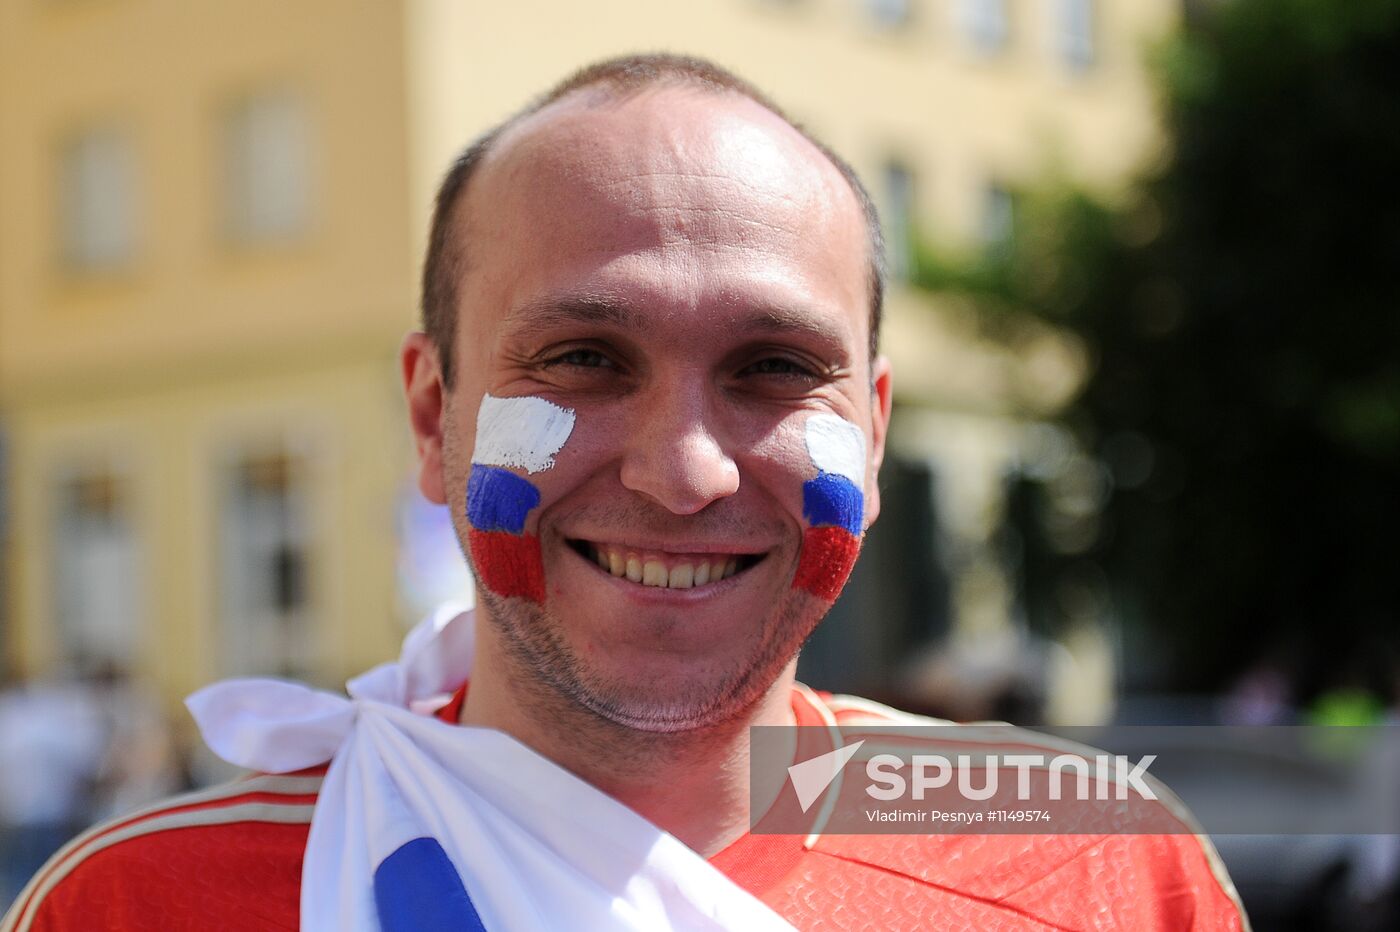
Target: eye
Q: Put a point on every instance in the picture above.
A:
(780, 366)
(582, 358)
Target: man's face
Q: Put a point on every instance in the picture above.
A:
(687, 276)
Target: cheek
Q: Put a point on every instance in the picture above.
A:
(833, 501)
(507, 559)
(498, 500)
(522, 433)
(509, 565)
(833, 506)
(828, 555)
(832, 509)
(503, 509)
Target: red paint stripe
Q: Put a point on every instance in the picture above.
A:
(509, 564)
(828, 555)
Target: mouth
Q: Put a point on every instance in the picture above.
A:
(663, 569)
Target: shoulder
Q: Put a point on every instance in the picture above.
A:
(225, 857)
(1142, 880)
(854, 711)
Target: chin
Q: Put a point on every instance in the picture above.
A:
(694, 694)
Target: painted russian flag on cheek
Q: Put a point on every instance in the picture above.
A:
(833, 505)
(511, 434)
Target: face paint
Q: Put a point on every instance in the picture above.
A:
(520, 433)
(514, 433)
(833, 505)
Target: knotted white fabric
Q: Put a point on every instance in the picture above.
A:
(534, 846)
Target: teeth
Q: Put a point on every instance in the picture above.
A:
(656, 573)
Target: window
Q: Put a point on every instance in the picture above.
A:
(97, 201)
(998, 217)
(267, 170)
(1074, 32)
(95, 571)
(984, 23)
(265, 605)
(889, 14)
(898, 183)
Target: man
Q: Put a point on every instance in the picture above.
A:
(649, 393)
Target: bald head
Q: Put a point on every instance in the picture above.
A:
(637, 128)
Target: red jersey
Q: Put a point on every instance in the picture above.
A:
(230, 858)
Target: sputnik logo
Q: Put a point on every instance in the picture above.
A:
(811, 777)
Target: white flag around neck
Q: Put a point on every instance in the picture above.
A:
(425, 825)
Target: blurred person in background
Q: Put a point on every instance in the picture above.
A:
(139, 761)
(52, 743)
(73, 750)
(649, 392)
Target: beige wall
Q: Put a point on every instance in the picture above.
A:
(164, 69)
(173, 451)
(204, 347)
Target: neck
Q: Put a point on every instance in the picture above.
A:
(693, 784)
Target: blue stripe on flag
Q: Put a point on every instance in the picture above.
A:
(833, 501)
(416, 889)
(498, 500)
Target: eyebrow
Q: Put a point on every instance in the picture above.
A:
(549, 314)
(786, 320)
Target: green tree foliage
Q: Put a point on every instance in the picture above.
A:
(1242, 315)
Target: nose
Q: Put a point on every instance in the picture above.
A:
(673, 454)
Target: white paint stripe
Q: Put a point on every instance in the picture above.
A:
(69, 856)
(520, 433)
(837, 446)
(246, 812)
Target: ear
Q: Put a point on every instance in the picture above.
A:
(423, 389)
(881, 403)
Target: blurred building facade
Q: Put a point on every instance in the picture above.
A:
(211, 217)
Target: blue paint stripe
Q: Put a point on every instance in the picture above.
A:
(416, 889)
(499, 500)
(833, 501)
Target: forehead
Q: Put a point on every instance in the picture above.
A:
(682, 196)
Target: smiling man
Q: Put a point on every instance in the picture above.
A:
(648, 391)
(685, 273)
(695, 283)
